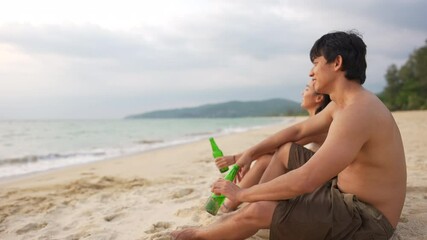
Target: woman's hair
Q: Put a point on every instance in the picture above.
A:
(325, 102)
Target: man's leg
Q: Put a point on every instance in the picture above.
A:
(249, 219)
(238, 225)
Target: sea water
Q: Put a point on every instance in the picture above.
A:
(39, 145)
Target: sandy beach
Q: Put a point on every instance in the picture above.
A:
(148, 195)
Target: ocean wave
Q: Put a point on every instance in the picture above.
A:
(196, 134)
(155, 141)
(47, 157)
(109, 143)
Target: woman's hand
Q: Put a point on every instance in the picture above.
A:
(225, 161)
(244, 162)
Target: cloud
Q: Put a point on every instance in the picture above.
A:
(192, 52)
(92, 54)
(408, 15)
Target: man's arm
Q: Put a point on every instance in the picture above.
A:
(347, 134)
(317, 139)
(311, 127)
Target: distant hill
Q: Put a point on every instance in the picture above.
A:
(233, 109)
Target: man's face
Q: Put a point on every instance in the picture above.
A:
(321, 74)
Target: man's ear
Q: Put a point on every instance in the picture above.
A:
(338, 63)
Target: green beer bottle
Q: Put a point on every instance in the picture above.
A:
(216, 152)
(216, 201)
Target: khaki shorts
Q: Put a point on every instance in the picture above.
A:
(326, 213)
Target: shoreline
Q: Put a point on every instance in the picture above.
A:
(131, 156)
(147, 195)
(157, 146)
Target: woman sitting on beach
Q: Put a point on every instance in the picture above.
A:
(312, 102)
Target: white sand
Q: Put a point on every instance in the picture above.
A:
(148, 195)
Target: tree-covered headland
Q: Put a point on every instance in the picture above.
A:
(406, 87)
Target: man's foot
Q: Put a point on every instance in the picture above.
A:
(185, 234)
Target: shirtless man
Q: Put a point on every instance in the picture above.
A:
(353, 187)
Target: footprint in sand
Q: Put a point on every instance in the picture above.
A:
(187, 212)
(166, 235)
(31, 227)
(113, 216)
(159, 227)
(155, 201)
(197, 214)
(86, 173)
(162, 236)
(204, 160)
(77, 236)
(182, 193)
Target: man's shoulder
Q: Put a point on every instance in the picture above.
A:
(361, 113)
(366, 104)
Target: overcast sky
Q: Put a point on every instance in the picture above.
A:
(108, 59)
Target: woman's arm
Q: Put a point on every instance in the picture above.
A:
(302, 131)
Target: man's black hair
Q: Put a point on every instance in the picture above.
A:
(350, 46)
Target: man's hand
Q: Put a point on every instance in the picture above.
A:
(226, 188)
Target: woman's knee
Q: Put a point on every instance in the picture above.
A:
(283, 152)
(285, 148)
(262, 162)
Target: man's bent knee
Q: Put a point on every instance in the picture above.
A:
(258, 214)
